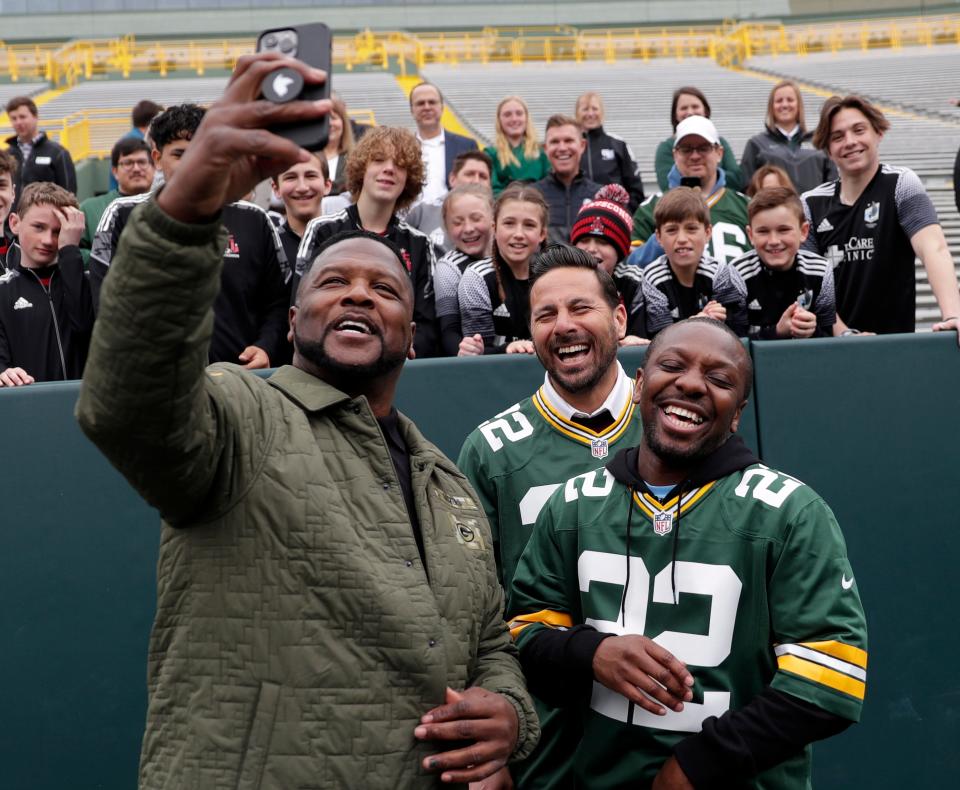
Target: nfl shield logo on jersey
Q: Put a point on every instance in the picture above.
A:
(599, 448)
(662, 523)
(872, 213)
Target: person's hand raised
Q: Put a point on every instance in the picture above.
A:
(232, 150)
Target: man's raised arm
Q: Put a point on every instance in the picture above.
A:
(145, 399)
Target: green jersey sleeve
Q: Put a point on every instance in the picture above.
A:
(819, 628)
(471, 463)
(542, 594)
(643, 226)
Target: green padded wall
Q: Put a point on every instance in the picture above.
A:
(871, 424)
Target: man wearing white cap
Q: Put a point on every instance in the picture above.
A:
(696, 155)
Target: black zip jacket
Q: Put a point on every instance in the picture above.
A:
(48, 161)
(609, 160)
(419, 256)
(565, 203)
(730, 748)
(251, 307)
(45, 329)
(7, 241)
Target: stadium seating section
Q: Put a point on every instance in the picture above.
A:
(910, 83)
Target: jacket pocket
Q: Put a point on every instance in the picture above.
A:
(258, 737)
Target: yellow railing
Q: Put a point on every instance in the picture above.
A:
(93, 132)
(728, 43)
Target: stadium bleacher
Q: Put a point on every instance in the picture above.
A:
(11, 89)
(917, 79)
(378, 91)
(637, 96)
(925, 134)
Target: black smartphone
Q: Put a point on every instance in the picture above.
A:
(311, 44)
(691, 181)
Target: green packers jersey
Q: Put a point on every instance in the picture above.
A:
(762, 594)
(515, 461)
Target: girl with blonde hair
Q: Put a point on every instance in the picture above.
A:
(516, 152)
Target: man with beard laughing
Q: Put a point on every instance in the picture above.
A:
(696, 607)
(517, 459)
(328, 613)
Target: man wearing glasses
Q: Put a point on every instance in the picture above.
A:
(696, 155)
(133, 169)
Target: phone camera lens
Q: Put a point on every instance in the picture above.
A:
(269, 42)
(287, 45)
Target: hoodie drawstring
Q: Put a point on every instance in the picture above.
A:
(676, 541)
(626, 583)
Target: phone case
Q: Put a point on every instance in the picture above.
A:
(314, 47)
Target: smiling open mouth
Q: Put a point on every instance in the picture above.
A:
(573, 351)
(683, 418)
(353, 326)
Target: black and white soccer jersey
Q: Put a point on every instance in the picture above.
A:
(495, 307)
(253, 300)
(868, 244)
(769, 292)
(666, 300)
(446, 283)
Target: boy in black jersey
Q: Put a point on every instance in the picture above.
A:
(871, 224)
(385, 173)
(301, 188)
(8, 177)
(684, 281)
(788, 291)
(46, 315)
(250, 312)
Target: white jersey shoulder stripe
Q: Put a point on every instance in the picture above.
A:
(110, 214)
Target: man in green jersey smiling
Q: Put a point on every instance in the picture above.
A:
(695, 606)
(581, 415)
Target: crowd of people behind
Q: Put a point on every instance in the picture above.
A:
(820, 242)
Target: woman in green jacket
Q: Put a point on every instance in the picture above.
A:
(516, 152)
(691, 101)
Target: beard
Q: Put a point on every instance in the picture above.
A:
(314, 351)
(685, 456)
(575, 383)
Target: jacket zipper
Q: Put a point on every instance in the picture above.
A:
(56, 323)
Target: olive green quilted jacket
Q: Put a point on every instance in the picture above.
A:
(298, 637)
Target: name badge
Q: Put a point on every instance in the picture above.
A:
(43, 160)
(608, 154)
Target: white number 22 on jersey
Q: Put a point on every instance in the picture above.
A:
(703, 650)
(512, 424)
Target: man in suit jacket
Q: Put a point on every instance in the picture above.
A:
(440, 147)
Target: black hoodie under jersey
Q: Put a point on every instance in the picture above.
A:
(735, 746)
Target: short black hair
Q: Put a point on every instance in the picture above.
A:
(563, 256)
(143, 112)
(126, 146)
(179, 122)
(347, 235)
(697, 319)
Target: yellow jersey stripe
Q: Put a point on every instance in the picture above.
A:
(822, 675)
(651, 506)
(547, 617)
(839, 650)
(579, 433)
(625, 412)
(715, 197)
